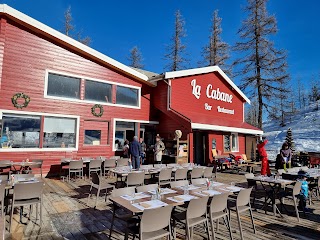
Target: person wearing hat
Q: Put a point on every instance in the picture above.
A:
(304, 193)
(286, 155)
(265, 169)
(158, 149)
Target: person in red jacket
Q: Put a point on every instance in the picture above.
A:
(265, 169)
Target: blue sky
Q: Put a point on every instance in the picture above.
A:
(116, 26)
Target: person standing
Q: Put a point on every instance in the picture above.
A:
(158, 148)
(265, 169)
(135, 152)
(286, 155)
(143, 150)
(125, 149)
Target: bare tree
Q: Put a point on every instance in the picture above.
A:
(69, 28)
(176, 50)
(252, 113)
(135, 58)
(314, 93)
(262, 66)
(216, 53)
(300, 89)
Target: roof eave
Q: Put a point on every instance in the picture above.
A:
(39, 27)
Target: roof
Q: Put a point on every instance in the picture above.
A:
(149, 74)
(55, 35)
(197, 71)
(227, 126)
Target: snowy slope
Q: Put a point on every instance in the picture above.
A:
(305, 127)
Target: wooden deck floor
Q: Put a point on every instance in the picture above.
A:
(67, 215)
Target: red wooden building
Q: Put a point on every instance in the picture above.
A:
(64, 79)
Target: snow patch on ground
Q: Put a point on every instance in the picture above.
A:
(305, 127)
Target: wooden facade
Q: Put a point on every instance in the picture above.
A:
(29, 51)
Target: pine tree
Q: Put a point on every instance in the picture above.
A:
(135, 58)
(290, 141)
(263, 68)
(176, 50)
(69, 28)
(216, 52)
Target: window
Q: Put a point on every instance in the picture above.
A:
(92, 137)
(230, 143)
(98, 91)
(59, 132)
(127, 96)
(20, 131)
(63, 86)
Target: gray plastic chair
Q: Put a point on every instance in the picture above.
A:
(98, 183)
(116, 213)
(76, 167)
(156, 228)
(195, 214)
(27, 194)
(38, 165)
(218, 209)
(108, 164)
(165, 176)
(196, 173)
(199, 181)
(208, 172)
(122, 162)
(95, 166)
(135, 179)
(242, 205)
(295, 192)
(179, 183)
(147, 188)
(181, 174)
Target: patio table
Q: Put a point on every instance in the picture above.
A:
(275, 186)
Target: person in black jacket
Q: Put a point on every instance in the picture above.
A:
(135, 152)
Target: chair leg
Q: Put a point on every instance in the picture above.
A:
(252, 221)
(212, 228)
(112, 221)
(98, 194)
(240, 227)
(11, 217)
(206, 226)
(296, 208)
(229, 227)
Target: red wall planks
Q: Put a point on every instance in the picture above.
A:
(26, 57)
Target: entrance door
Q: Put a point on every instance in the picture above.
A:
(200, 147)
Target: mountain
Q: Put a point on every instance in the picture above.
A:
(305, 125)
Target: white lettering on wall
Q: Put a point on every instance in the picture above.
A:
(207, 107)
(210, 92)
(196, 89)
(224, 110)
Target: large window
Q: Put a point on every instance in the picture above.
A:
(231, 143)
(125, 131)
(127, 96)
(63, 86)
(92, 137)
(20, 131)
(59, 132)
(98, 91)
(25, 131)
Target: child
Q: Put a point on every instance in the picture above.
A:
(303, 176)
(265, 169)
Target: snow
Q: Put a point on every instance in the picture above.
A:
(305, 126)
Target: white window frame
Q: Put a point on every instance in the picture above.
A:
(237, 142)
(3, 111)
(115, 120)
(89, 101)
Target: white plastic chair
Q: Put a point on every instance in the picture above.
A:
(135, 179)
(208, 172)
(180, 183)
(181, 174)
(76, 167)
(218, 209)
(293, 196)
(196, 173)
(98, 183)
(147, 188)
(199, 181)
(242, 205)
(122, 162)
(195, 214)
(27, 194)
(165, 176)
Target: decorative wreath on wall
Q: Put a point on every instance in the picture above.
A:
(97, 114)
(16, 97)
